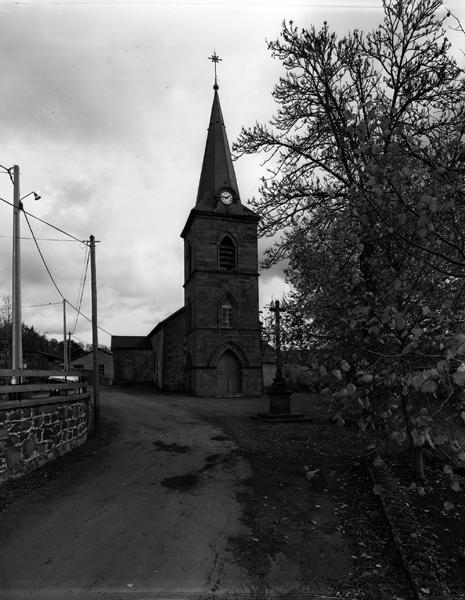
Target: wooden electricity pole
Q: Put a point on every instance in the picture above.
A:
(16, 346)
(94, 335)
(65, 349)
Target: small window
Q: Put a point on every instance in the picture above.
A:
(227, 253)
(101, 369)
(226, 315)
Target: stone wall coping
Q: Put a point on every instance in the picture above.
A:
(31, 402)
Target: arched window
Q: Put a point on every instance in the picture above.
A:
(226, 314)
(227, 253)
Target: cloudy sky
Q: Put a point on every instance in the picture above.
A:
(105, 108)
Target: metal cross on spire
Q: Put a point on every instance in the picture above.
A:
(215, 59)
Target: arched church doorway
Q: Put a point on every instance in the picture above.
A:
(228, 375)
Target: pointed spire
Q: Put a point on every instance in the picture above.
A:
(217, 167)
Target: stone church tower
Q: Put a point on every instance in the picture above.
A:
(222, 336)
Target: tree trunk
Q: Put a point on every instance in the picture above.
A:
(417, 451)
(419, 463)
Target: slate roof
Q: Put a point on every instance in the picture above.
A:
(161, 323)
(217, 167)
(90, 352)
(133, 342)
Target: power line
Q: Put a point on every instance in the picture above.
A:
(83, 283)
(42, 257)
(8, 171)
(53, 280)
(46, 222)
(39, 305)
(39, 239)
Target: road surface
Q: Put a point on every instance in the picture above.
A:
(149, 515)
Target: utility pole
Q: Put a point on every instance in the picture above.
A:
(69, 349)
(16, 346)
(94, 334)
(65, 349)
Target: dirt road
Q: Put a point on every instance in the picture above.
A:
(151, 513)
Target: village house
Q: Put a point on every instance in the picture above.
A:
(84, 362)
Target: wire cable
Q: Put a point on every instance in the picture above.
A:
(46, 223)
(53, 280)
(39, 305)
(8, 170)
(83, 283)
(42, 257)
(10, 237)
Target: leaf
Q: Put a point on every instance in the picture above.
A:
(461, 456)
(448, 506)
(426, 311)
(366, 378)
(377, 490)
(400, 323)
(439, 439)
(399, 436)
(429, 387)
(351, 389)
(418, 438)
(459, 377)
(447, 470)
(455, 486)
(441, 365)
(455, 446)
(386, 316)
(311, 474)
(378, 462)
(421, 490)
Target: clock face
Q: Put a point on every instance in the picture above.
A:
(226, 197)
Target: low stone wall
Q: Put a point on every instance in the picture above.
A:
(34, 431)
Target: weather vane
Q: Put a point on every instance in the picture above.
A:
(215, 59)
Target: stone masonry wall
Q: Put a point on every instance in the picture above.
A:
(133, 365)
(32, 435)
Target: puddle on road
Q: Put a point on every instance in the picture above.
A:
(220, 438)
(211, 461)
(159, 445)
(181, 483)
(188, 481)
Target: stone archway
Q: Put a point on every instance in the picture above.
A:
(228, 374)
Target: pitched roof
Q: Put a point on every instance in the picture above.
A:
(165, 321)
(217, 167)
(134, 342)
(217, 173)
(48, 355)
(90, 352)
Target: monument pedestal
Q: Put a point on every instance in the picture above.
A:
(280, 405)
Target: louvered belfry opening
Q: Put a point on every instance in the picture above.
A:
(227, 257)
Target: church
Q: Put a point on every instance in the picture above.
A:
(210, 346)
